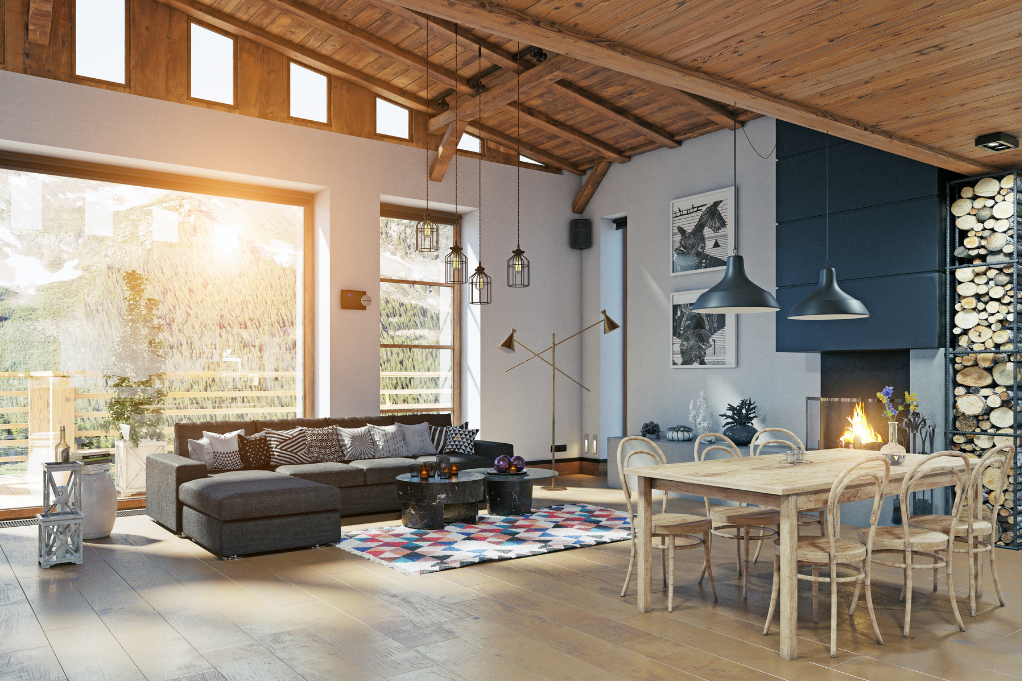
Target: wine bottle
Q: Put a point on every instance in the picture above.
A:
(63, 449)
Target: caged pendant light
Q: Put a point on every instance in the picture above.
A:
(828, 301)
(427, 232)
(455, 264)
(735, 293)
(479, 282)
(518, 264)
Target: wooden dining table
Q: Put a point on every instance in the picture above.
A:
(770, 482)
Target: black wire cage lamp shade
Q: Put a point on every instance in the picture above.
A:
(455, 266)
(427, 235)
(735, 293)
(828, 301)
(518, 269)
(479, 285)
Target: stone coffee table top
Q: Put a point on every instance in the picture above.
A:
(530, 474)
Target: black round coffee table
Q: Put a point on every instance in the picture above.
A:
(511, 494)
(431, 503)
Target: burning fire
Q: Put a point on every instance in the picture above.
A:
(859, 431)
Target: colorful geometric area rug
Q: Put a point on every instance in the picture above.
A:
(492, 538)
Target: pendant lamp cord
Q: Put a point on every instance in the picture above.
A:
(734, 148)
(827, 175)
(426, 145)
(479, 80)
(457, 228)
(518, 149)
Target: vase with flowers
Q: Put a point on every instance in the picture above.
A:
(892, 450)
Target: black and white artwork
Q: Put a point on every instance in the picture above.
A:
(700, 340)
(701, 231)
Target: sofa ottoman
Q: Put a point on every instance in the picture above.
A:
(242, 512)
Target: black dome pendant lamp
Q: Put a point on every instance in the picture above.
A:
(828, 301)
(735, 293)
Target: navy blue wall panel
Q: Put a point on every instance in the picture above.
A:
(906, 311)
(896, 238)
(886, 242)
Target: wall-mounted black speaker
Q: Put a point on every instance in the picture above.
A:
(581, 234)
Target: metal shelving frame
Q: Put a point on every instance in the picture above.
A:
(953, 351)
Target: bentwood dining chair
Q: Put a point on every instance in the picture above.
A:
(743, 524)
(676, 531)
(910, 541)
(780, 436)
(991, 471)
(833, 552)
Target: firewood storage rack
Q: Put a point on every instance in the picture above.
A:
(982, 413)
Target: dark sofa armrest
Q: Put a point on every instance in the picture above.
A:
(491, 450)
(164, 473)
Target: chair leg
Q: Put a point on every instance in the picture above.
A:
(993, 571)
(773, 594)
(908, 592)
(670, 576)
(707, 567)
(706, 560)
(935, 571)
(869, 605)
(855, 597)
(979, 571)
(904, 580)
(833, 609)
(745, 575)
(628, 575)
(816, 595)
(951, 590)
(739, 536)
(663, 561)
(973, 577)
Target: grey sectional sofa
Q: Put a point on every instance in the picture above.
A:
(241, 512)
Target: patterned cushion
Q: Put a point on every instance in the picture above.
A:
(417, 440)
(288, 447)
(358, 443)
(225, 451)
(254, 451)
(460, 440)
(438, 435)
(200, 450)
(390, 442)
(324, 445)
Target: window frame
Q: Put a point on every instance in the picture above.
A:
(453, 219)
(392, 137)
(329, 96)
(236, 55)
(126, 85)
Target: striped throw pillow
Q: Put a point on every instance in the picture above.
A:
(288, 447)
(358, 443)
(438, 435)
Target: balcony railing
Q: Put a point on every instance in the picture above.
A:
(388, 407)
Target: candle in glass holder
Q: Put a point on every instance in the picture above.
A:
(424, 472)
(454, 470)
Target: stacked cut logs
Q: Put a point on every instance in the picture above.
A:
(987, 411)
(1004, 500)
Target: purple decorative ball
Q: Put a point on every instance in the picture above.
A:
(501, 464)
(518, 462)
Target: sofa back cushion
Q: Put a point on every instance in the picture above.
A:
(183, 432)
(431, 419)
(360, 421)
(288, 424)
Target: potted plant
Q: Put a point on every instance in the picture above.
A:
(137, 380)
(738, 422)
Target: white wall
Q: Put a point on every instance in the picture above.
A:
(349, 175)
(643, 189)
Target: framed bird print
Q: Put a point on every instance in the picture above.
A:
(701, 231)
(700, 340)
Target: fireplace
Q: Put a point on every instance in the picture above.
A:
(845, 422)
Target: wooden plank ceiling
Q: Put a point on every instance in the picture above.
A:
(920, 78)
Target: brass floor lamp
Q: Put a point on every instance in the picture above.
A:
(509, 346)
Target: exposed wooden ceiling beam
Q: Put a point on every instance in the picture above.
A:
(331, 24)
(299, 53)
(551, 124)
(616, 113)
(504, 93)
(517, 25)
(40, 18)
(494, 53)
(715, 112)
(448, 148)
(589, 187)
(530, 150)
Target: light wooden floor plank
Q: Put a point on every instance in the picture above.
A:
(37, 664)
(19, 628)
(154, 646)
(91, 653)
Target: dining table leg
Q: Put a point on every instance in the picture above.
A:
(789, 578)
(644, 542)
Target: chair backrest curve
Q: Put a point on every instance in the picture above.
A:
(863, 468)
(756, 446)
(650, 449)
(701, 451)
(963, 490)
(1004, 456)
